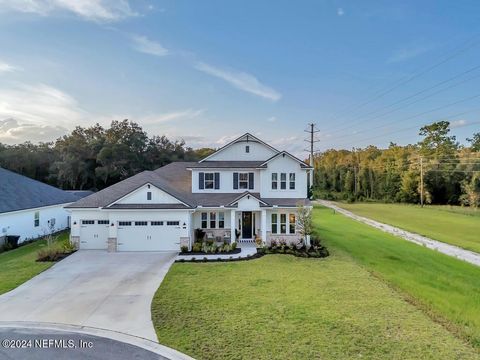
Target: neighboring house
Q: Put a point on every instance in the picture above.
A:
(30, 208)
(244, 190)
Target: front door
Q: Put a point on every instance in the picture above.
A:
(246, 225)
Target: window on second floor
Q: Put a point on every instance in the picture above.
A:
(283, 181)
(274, 181)
(209, 180)
(243, 180)
(247, 149)
(292, 181)
(149, 195)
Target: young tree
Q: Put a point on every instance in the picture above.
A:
(304, 221)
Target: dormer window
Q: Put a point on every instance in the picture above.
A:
(247, 149)
(149, 195)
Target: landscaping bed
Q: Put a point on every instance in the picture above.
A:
(234, 251)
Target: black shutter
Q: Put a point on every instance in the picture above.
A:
(217, 180)
(235, 180)
(250, 181)
(201, 180)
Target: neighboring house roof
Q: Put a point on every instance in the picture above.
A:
(244, 137)
(228, 164)
(18, 192)
(303, 164)
(176, 180)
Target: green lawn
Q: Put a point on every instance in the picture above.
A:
(282, 307)
(446, 288)
(450, 224)
(19, 265)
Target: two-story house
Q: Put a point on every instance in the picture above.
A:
(245, 190)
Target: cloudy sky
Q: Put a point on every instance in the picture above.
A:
(206, 71)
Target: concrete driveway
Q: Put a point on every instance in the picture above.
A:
(93, 288)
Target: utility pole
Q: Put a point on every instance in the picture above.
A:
(421, 181)
(312, 131)
(354, 172)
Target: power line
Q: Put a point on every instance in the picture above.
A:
(362, 117)
(417, 74)
(416, 115)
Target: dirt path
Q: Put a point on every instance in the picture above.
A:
(451, 250)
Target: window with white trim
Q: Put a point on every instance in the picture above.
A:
(103, 222)
(247, 149)
(209, 180)
(274, 223)
(213, 220)
(243, 180)
(141, 223)
(292, 181)
(274, 181)
(291, 223)
(204, 224)
(124, 223)
(283, 223)
(156, 223)
(283, 181)
(88, 222)
(149, 195)
(36, 219)
(173, 223)
(221, 220)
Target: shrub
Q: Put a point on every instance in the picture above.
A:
(184, 248)
(68, 247)
(233, 246)
(50, 254)
(197, 247)
(210, 242)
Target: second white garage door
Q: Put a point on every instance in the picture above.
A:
(148, 236)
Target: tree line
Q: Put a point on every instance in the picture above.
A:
(95, 157)
(451, 172)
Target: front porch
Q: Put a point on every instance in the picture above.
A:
(244, 226)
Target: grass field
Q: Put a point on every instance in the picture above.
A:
(282, 307)
(19, 265)
(453, 225)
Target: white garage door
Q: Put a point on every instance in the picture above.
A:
(93, 234)
(148, 236)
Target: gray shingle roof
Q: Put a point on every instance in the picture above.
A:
(176, 180)
(18, 192)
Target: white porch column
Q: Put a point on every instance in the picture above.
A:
(233, 226)
(264, 225)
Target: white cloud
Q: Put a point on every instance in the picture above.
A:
(95, 10)
(170, 116)
(241, 80)
(409, 52)
(144, 45)
(40, 104)
(340, 11)
(13, 132)
(458, 123)
(4, 67)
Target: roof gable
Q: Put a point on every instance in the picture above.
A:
(227, 153)
(303, 164)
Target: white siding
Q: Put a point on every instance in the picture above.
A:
(139, 196)
(226, 181)
(237, 151)
(283, 165)
(22, 222)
